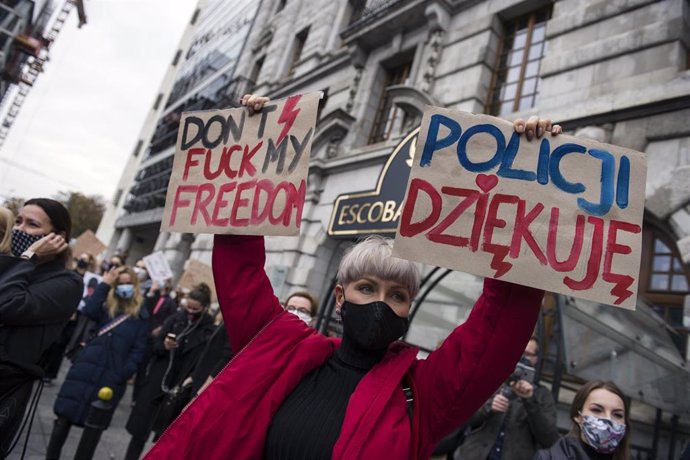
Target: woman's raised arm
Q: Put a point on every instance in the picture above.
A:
(244, 291)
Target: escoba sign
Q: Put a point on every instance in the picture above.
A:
(377, 210)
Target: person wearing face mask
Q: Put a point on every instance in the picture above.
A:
(176, 351)
(303, 305)
(290, 392)
(600, 413)
(516, 421)
(38, 295)
(109, 357)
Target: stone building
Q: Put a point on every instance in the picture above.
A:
(613, 70)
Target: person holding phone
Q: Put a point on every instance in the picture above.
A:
(516, 421)
(176, 352)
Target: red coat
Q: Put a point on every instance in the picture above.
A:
(231, 417)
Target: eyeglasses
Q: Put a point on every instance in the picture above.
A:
(292, 308)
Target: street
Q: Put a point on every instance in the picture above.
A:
(114, 440)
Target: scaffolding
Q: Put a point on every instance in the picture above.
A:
(31, 69)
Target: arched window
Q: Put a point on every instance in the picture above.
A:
(664, 280)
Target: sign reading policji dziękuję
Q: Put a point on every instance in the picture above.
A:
(236, 173)
(560, 213)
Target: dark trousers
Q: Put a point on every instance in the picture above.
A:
(135, 448)
(58, 437)
(15, 392)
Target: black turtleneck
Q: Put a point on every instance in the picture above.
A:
(593, 454)
(308, 423)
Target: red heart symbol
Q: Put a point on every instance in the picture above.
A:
(485, 182)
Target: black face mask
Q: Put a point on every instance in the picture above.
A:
(372, 326)
(81, 263)
(22, 240)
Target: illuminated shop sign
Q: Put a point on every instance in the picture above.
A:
(378, 210)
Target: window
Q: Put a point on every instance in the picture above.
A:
(516, 79)
(137, 148)
(297, 48)
(157, 103)
(390, 118)
(666, 272)
(256, 73)
(664, 280)
(176, 59)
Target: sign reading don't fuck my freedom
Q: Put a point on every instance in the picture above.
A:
(236, 173)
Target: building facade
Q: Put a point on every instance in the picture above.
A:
(616, 71)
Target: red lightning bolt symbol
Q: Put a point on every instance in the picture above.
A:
(287, 118)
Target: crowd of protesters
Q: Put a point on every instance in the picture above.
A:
(294, 393)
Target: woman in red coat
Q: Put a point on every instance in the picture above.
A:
(291, 393)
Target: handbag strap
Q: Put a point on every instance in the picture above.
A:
(113, 324)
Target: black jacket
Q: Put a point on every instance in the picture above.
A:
(184, 360)
(213, 359)
(36, 301)
(570, 448)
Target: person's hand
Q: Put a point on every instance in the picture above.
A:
(48, 247)
(169, 344)
(156, 331)
(111, 275)
(523, 389)
(500, 403)
(155, 287)
(254, 102)
(536, 126)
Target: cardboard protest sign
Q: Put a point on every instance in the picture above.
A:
(195, 273)
(87, 242)
(239, 174)
(158, 267)
(91, 280)
(562, 213)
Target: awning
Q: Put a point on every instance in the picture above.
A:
(632, 348)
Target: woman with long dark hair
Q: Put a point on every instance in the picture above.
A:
(291, 392)
(600, 415)
(37, 297)
(176, 352)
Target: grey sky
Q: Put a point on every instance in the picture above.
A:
(82, 117)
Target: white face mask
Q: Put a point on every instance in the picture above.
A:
(306, 317)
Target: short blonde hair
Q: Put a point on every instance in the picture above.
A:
(6, 224)
(372, 256)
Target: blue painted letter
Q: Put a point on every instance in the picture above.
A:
(433, 143)
(608, 171)
(485, 165)
(555, 168)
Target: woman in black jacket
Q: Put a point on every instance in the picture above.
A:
(37, 297)
(109, 358)
(600, 413)
(175, 355)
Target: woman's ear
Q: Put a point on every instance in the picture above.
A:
(339, 292)
(578, 419)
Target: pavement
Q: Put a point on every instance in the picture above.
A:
(114, 440)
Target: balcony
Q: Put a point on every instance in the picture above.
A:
(227, 96)
(374, 22)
